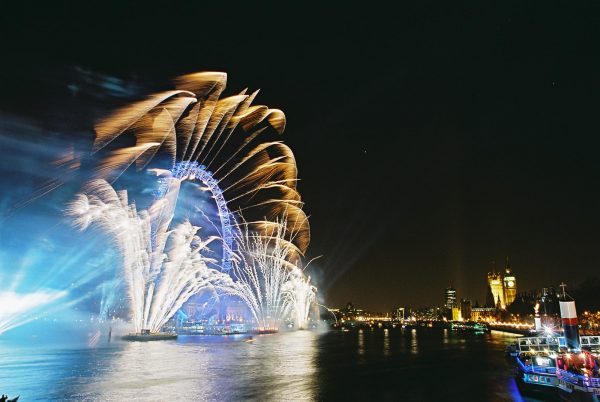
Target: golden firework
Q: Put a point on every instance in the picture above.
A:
(193, 125)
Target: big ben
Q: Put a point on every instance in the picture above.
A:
(510, 284)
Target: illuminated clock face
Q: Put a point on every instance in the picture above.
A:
(511, 284)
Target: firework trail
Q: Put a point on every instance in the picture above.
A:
(271, 286)
(261, 271)
(300, 295)
(162, 268)
(193, 132)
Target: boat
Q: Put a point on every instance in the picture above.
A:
(544, 363)
(535, 373)
(146, 336)
(577, 369)
(475, 327)
(578, 377)
(567, 366)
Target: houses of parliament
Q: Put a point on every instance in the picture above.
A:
(502, 287)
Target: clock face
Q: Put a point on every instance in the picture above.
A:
(511, 284)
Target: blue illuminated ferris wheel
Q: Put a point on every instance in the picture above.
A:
(194, 171)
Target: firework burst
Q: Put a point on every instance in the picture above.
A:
(193, 133)
(162, 268)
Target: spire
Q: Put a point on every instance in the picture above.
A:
(507, 266)
(563, 286)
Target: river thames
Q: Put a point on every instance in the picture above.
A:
(363, 364)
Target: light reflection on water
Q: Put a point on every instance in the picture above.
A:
(386, 342)
(277, 367)
(383, 364)
(414, 344)
(361, 342)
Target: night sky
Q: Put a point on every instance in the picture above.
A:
(431, 139)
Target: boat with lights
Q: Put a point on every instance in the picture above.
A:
(536, 365)
(578, 377)
(476, 327)
(545, 367)
(577, 368)
(567, 365)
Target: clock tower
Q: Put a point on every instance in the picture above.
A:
(510, 284)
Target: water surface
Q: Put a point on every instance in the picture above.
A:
(363, 364)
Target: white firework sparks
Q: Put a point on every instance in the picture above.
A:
(162, 268)
(260, 272)
(301, 295)
(271, 286)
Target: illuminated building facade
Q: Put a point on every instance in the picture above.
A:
(450, 298)
(497, 287)
(503, 286)
(482, 313)
(456, 314)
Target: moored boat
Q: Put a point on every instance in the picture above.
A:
(146, 336)
(536, 364)
(568, 365)
(536, 373)
(578, 377)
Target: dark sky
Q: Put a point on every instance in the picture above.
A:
(431, 138)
